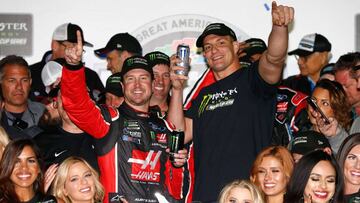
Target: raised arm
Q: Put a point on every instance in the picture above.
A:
(272, 61)
(76, 100)
(176, 112)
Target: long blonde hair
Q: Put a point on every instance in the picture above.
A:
(254, 191)
(4, 140)
(62, 174)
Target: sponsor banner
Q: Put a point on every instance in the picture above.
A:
(16, 32)
(166, 33)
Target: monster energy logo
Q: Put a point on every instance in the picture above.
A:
(152, 57)
(130, 61)
(204, 103)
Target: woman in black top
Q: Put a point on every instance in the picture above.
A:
(316, 179)
(21, 177)
(349, 160)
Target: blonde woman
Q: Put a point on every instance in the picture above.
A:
(4, 140)
(76, 181)
(240, 191)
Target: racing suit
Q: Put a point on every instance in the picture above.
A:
(130, 144)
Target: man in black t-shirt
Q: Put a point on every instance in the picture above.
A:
(231, 120)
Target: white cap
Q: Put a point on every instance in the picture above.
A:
(50, 73)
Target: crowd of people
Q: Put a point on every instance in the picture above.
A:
(249, 134)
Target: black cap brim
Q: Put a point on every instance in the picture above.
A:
(101, 53)
(88, 44)
(300, 52)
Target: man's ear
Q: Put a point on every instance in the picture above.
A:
(54, 45)
(236, 46)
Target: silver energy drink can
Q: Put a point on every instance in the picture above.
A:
(183, 53)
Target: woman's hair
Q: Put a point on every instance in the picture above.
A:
(338, 101)
(4, 139)
(245, 184)
(346, 146)
(299, 179)
(278, 152)
(62, 175)
(7, 165)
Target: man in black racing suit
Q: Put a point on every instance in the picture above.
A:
(129, 141)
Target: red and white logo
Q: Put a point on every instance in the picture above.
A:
(145, 165)
(161, 138)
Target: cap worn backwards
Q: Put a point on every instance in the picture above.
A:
(312, 43)
(136, 62)
(121, 41)
(51, 72)
(157, 57)
(217, 29)
(67, 32)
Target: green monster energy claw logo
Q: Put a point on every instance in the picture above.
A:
(204, 103)
(130, 61)
(152, 57)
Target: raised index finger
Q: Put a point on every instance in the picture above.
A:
(273, 6)
(79, 39)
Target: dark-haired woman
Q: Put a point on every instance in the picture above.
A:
(316, 178)
(349, 161)
(330, 97)
(21, 178)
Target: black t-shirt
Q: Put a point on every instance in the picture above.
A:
(57, 145)
(41, 198)
(352, 198)
(232, 122)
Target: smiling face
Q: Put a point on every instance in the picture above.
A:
(80, 183)
(239, 195)
(161, 81)
(320, 187)
(220, 53)
(137, 86)
(352, 168)
(26, 170)
(271, 176)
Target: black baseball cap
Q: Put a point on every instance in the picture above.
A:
(312, 43)
(307, 141)
(121, 41)
(113, 85)
(217, 29)
(157, 57)
(67, 32)
(256, 46)
(136, 62)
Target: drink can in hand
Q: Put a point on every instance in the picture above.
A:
(183, 53)
(176, 143)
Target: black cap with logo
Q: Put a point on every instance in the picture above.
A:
(217, 29)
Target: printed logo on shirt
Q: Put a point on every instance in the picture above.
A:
(132, 124)
(145, 165)
(221, 99)
(57, 154)
(157, 127)
(161, 138)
